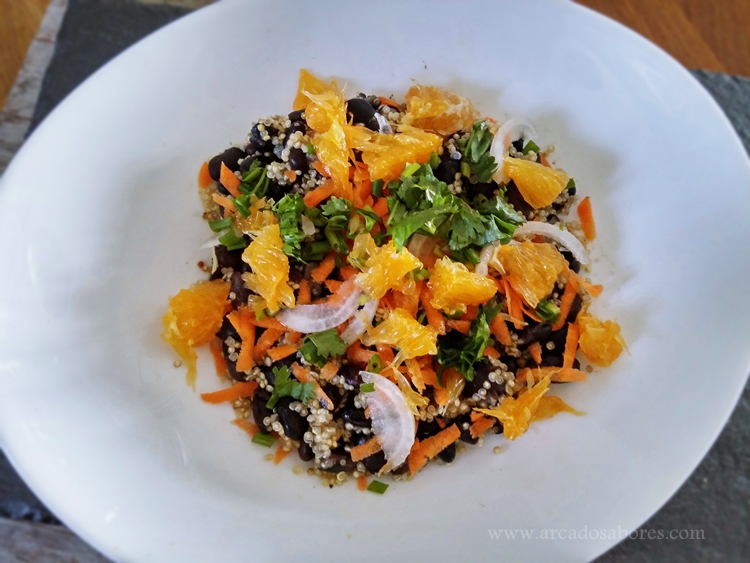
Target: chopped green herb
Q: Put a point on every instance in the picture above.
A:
(242, 204)
(377, 487)
(377, 188)
(288, 210)
(264, 439)
(232, 241)
(220, 225)
(571, 184)
(375, 364)
(410, 169)
(367, 387)
(531, 146)
(477, 160)
(434, 161)
(310, 148)
(466, 169)
(317, 348)
(285, 386)
(548, 311)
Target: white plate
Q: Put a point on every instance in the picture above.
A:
(100, 223)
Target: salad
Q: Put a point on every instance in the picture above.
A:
(389, 282)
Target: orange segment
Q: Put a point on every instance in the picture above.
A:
(311, 84)
(270, 269)
(538, 184)
(531, 269)
(385, 268)
(402, 330)
(517, 413)
(437, 110)
(600, 341)
(454, 286)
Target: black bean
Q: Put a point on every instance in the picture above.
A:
(426, 428)
(295, 274)
(355, 417)
(298, 160)
(515, 198)
(447, 170)
(295, 127)
(305, 451)
(246, 164)
(449, 453)
(575, 308)
(297, 115)
(229, 259)
(240, 290)
(575, 265)
(534, 333)
(256, 133)
(552, 359)
(375, 462)
(223, 191)
(350, 373)
(465, 433)
(339, 460)
(518, 145)
(400, 470)
(276, 191)
(558, 338)
(511, 363)
(485, 189)
(316, 290)
(260, 410)
(227, 330)
(572, 191)
(295, 425)
(337, 396)
(553, 219)
(229, 157)
(360, 109)
(268, 370)
(255, 147)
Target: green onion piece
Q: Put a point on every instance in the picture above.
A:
(410, 170)
(362, 299)
(232, 241)
(377, 188)
(377, 487)
(548, 311)
(367, 388)
(220, 225)
(571, 184)
(264, 439)
(466, 169)
(531, 146)
(434, 161)
(310, 148)
(241, 204)
(472, 256)
(422, 317)
(374, 365)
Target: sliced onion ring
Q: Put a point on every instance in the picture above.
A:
(509, 132)
(316, 318)
(487, 254)
(383, 124)
(361, 322)
(392, 421)
(565, 238)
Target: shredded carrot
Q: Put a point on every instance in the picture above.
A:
(459, 325)
(246, 330)
(586, 216)
(247, 426)
(531, 314)
(324, 269)
(441, 423)
(290, 175)
(204, 177)
(566, 302)
(571, 345)
(515, 308)
(594, 290)
(536, 352)
(321, 169)
(387, 300)
(219, 361)
(230, 181)
(434, 317)
(415, 372)
(480, 426)
(429, 376)
(303, 296)
(474, 416)
(409, 302)
(543, 160)
(389, 102)
(265, 322)
(386, 353)
(500, 331)
(357, 354)
(303, 376)
(265, 341)
(314, 197)
(538, 239)
(280, 454)
(430, 447)
(239, 390)
(293, 337)
(381, 207)
(347, 272)
(471, 313)
(281, 352)
(557, 375)
(333, 285)
(490, 352)
(362, 482)
(225, 202)
(441, 395)
(366, 449)
(329, 370)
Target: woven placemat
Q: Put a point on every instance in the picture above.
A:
(716, 498)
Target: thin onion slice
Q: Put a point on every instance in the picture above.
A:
(308, 227)
(565, 238)
(361, 322)
(213, 241)
(487, 254)
(320, 317)
(392, 421)
(383, 125)
(509, 132)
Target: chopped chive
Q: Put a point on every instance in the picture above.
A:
(220, 225)
(531, 146)
(241, 204)
(571, 184)
(410, 170)
(310, 148)
(377, 188)
(367, 388)
(472, 256)
(232, 241)
(264, 439)
(434, 160)
(374, 365)
(377, 487)
(422, 317)
(466, 169)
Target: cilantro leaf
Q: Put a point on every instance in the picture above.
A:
(427, 220)
(284, 386)
(317, 348)
(288, 210)
(463, 351)
(481, 164)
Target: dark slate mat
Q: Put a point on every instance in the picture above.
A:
(716, 498)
